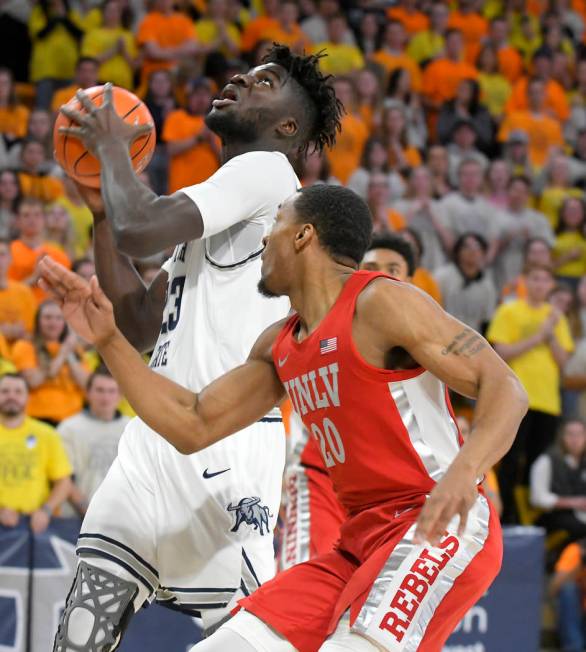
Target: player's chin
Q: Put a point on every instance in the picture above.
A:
(266, 288)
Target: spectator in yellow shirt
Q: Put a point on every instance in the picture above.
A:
(534, 338)
(113, 46)
(558, 188)
(216, 32)
(569, 249)
(342, 58)
(427, 45)
(35, 474)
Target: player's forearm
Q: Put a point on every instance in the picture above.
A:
(163, 405)
(59, 493)
(143, 224)
(501, 405)
(125, 289)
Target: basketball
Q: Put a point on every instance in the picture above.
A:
(77, 161)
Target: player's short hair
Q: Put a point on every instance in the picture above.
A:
(397, 244)
(320, 108)
(341, 218)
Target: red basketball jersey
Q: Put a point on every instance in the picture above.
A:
(383, 435)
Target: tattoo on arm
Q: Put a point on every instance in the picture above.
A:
(466, 344)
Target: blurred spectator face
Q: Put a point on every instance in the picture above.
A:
(86, 74)
(377, 156)
(438, 162)
(328, 7)
(51, 322)
(32, 156)
(217, 9)
(439, 17)
(487, 60)
(395, 36)
(573, 439)
(8, 186)
(518, 195)
(394, 122)
(572, 213)
(464, 93)
(415, 246)
(289, 14)
(464, 137)
(562, 298)
(469, 178)
(5, 259)
(13, 396)
(366, 84)
(271, 7)
(454, 46)
(103, 396)
(5, 86)
(345, 93)
(337, 27)
(421, 182)
(164, 6)
(538, 253)
(471, 254)
(31, 219)
(463, 426)
(518, 151)
(387, 261)
(112, 13)
(57, 219)
(539, 284)
(199, 100)
(498, 175)
(86, 270)
(160, 84)
(378, 190)
(369, 26)
(559, 171)
(39, 124)
(499, 31)
(542, 67)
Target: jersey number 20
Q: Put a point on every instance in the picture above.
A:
(173, 305)
(330, 442)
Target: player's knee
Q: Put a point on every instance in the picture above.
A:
(97, 611)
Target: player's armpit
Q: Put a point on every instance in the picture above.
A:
(189, 421)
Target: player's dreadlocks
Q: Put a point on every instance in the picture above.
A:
(321, 105)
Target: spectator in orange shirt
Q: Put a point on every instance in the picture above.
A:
(30, 247)
(345, 156)
(35, 181)
(86, 76)
(543, 131)
(194, 151)
(473, 26)
(509, 59)
(402, 157)
(406, 12)
(369, 97)
(384, 218)
(287, 31)
(166, 38)
(555, 101)
(13, 116)
(52, 366)
(258, 28)
(442, 77)
(10, 196)
(394, 55)
(17, 302)
(314, 168)
(422, 278)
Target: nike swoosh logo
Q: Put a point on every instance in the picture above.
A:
(403, 511)
(207, 475)
(282, 361)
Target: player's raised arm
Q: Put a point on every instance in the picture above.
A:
(187, 420)
(464, 360)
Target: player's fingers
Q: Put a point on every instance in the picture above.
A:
(108, 95)
(463, 520)
(56, 274)
(142, 130)
(54, 291)
(76, 132)
(425, 521)
(85, 101)
(76, 116)
(98, 295)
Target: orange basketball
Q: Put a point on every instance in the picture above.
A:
(71, 153)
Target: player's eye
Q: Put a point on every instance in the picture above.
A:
(266, 81)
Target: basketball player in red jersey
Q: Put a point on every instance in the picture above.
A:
(365, 361)
(313, 514)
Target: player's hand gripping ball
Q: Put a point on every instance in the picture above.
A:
(95, 118)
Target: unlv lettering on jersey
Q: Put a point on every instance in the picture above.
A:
(314, 390)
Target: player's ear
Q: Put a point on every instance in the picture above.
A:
(304, 236)
(288, 127)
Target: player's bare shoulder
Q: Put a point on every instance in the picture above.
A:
(263, 347)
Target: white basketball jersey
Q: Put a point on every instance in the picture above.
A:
(214, 312)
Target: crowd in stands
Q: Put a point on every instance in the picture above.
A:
(465, 132)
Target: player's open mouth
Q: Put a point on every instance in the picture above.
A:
(228, 96)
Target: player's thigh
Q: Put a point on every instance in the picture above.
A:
(345, 640)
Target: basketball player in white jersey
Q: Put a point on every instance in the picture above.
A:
(182, 530)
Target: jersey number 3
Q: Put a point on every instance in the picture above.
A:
(173, 305)
(330, 443)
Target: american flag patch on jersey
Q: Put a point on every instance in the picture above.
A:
(329, 345)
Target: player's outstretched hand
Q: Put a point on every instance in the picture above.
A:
(453, 495)
(100, 125)
(85, 307)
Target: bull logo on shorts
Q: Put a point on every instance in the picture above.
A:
(251, 512)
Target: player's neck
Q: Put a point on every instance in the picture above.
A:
(317, 293)
(229, 151)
